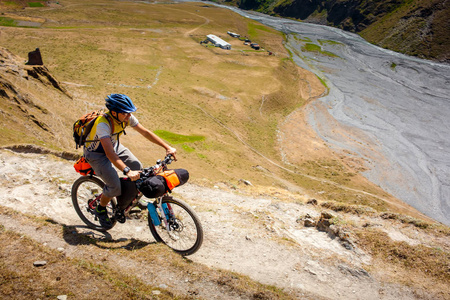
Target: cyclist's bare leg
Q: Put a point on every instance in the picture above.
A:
(104, 200)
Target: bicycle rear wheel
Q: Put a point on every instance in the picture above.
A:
(185, 235)
(86, 192)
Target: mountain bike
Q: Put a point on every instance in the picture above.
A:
(171, 221)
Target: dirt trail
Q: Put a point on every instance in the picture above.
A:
(255, 236)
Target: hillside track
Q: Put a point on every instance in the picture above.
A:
(243, 234)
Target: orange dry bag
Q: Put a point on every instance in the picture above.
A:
(175, 177)
(83, 167)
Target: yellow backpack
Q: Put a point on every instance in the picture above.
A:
(82, 127)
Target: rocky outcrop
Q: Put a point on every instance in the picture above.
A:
(326, 223)
(42, 74)
(22, 101)
(12, 64)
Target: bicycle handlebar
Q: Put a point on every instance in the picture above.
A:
(160, 165)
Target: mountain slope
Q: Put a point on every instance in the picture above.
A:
(413, 27)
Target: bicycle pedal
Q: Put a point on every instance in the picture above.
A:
(120, 217)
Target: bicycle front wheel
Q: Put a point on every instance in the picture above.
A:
(183, 233)
(86, 192)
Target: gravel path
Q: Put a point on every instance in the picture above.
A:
(256, 235)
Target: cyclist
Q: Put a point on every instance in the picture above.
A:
(103, 150)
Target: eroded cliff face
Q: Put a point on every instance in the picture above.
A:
(351, 15)
(420, 30)
(33, 104)
(413, 27)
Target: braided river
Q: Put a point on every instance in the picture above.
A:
(389, 109)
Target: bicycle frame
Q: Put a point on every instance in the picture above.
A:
(171, 221)
(117, 213)
(166, 214)
(93, 204)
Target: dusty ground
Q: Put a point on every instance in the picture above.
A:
(257, 235)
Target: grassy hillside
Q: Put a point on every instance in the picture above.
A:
(152, 53)
(418, 28)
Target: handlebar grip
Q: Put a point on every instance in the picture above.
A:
(168, 159)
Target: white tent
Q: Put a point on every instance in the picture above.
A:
(218, 42)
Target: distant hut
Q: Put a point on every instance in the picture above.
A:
(218, 42)
(235, 35)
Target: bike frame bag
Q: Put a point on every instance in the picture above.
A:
(128, 193)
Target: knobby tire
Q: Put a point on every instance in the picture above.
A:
(187, 237)
(85, 189)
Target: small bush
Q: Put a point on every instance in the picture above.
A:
(406, 219)
(352, 209)
(7, 22)
(178, 138)
(35, 4)
(429, 261)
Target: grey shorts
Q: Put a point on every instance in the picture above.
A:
(105, 169)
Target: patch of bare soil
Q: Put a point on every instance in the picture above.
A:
(297, 139)
(259, 236)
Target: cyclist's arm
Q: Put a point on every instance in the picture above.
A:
(114, 158)
(155, 139)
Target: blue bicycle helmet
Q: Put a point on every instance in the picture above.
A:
(120, 103)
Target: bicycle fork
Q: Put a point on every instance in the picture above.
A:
(164, 209)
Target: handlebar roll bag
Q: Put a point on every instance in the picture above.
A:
(174, 178)
(156, 186)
